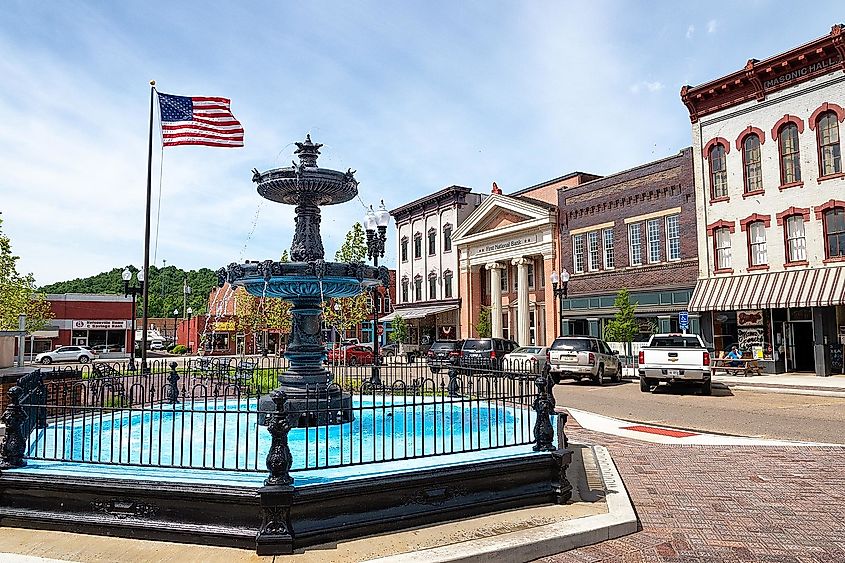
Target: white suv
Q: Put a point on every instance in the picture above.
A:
(66, 354)
(580, 357)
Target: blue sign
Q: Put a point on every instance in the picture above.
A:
(683, 320)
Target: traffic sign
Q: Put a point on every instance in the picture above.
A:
(380, 330)
(683, 320)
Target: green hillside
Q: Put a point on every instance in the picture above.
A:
(165, 293)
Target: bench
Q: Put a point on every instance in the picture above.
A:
(245, 370)
(749, 366)
(105, 370)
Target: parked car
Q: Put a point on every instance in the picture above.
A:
(583, 357)
(389, 350)
(485, 353)
(527, 359)
(443, 354)
(66, 354)
(351, 355)
(674, 358)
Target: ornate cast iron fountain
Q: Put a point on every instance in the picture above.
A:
(306, 281)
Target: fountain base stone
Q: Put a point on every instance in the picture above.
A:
(309, 408)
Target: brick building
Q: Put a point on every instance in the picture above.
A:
(636, 230)
(770, 187)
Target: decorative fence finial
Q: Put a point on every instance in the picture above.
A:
(14, 443)
(279, 458)
(544, 433)
(173, 385)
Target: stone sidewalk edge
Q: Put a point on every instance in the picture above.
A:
(543, 541)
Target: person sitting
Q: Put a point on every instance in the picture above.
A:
(734, 354)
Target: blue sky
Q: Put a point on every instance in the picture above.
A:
(414, 95)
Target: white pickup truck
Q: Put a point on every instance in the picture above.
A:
(674, 357)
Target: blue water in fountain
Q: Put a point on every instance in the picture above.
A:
(225, 435)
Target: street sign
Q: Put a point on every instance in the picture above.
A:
(683, 320)
(380, 330)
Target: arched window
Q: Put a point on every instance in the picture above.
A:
(447, 237)
(418, 288)
(757, 255)
(403, 249)
(827, 129)
(432, 285)
(432, 242)
(418, 245)
(722, 248)
(834, 232)
(751, 164)
(796, 242)
(447, 284)
(718, 172)
(405, 290)
(790, 156)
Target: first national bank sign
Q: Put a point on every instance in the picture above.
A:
(505, 245)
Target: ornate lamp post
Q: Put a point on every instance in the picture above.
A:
(189, 311)
(375, 223)
(134, 291)
(175, 334)
(186, 291)
(560, 286)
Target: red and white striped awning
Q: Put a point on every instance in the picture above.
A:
(812, 287)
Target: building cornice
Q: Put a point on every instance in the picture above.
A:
(760, 78)
(452, 195)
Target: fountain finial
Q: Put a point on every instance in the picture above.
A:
(308, 152)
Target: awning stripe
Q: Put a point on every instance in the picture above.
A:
(814, 287)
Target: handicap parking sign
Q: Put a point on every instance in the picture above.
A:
(683, 320)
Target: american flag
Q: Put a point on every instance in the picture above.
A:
(199, 120)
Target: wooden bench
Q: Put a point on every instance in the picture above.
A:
(105, 370)
(748, 366)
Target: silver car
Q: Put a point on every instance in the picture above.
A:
(66, 354)
(583, 357)
(528, 359)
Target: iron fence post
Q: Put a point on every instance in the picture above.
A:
(453, 382)
(14, 443)
(544, 433)
(173, 385)
(279, 458)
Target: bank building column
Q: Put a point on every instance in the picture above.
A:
(495, 270)
(523, 329)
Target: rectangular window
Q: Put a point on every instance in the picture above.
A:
(673, 237)
(595, 256)
(796, 244)
(722, 245)
(418, 289)
(609, 259)
(432, 287)
(417, 245)
(578, 253)
(505, 329)
(405, 291)
(504, 282)
(653, 240)
(447, 238)
(432, 243)
(404, 249)
(834, 230)
(635, 241)
(757, 244)
(447, 285)
(531, 275)
(386, 303)
(532, 328)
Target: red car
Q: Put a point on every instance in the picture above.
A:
(351, 355)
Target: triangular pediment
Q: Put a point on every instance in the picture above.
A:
(499, 212)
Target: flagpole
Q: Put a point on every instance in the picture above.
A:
(146, 285)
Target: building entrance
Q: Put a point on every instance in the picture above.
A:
(799, 346)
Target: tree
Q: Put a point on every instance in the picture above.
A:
(351, 311)
(484, 326)
(624, 327)
(399, 333)
(18, 293)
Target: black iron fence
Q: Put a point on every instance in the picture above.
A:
(209, 414)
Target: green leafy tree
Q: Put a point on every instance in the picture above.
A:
(484, 326)
(18, 293)
(350, 311)
(399, 333)
(256, 314)
(624, 326)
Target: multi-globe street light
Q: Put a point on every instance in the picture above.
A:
(134, 291)
(560, 287)
(375, 223)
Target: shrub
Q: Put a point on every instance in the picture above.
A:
(179, 349)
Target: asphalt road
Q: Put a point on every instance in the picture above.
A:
(744, 413)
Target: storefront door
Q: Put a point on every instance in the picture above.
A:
(80, 341)
(799, 346)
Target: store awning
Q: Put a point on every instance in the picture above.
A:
(418, 312)
(45, 334)
(814, 287)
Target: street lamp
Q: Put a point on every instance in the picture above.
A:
(186, 291)
(175, 333)
(188, 336)
(561, 292)
(375, 223)
(134, 291)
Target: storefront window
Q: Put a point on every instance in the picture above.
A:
(724, 331)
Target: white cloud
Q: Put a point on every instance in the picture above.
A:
(655, 86)
(690, 31)
(711, 26)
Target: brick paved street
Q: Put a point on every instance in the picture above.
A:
(722, 504)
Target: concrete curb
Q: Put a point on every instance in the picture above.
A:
(835, 392)
(543, 541)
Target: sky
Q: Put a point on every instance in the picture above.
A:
(415, 96)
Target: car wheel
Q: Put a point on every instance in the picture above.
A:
(599, 379)
(707, 388)
(353, 361)
(645, 385)
(617, 375)
(46, 360)
(84, 359)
